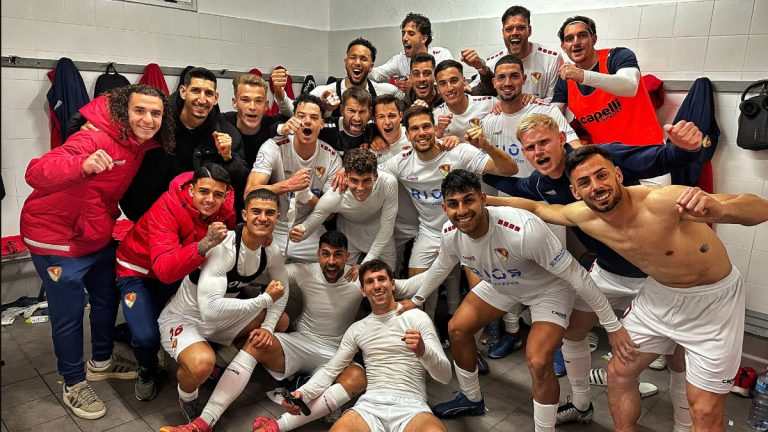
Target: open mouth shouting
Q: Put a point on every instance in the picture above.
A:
(306, 132)
(421, 88)
(356, 74)
(356, 127)
(515, 43)
(332, 272)
(544, 162)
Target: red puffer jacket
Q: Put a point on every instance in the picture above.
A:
(72, 215)
(163, 243)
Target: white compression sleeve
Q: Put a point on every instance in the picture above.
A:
(624, 82)
(328, 402)
(231, 384)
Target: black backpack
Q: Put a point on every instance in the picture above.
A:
(753, 120)
(110, 80)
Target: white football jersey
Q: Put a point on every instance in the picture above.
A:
(540, 66)
(422, 179)
(400, 65)
(501, 130)
(278, 158)
(407, 222)
(478, 108)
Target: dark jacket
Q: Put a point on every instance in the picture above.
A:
(65, 97)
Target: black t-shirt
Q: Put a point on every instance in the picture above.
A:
(618, 58)
(252, 143)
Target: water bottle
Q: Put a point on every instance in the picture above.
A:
(758, 413)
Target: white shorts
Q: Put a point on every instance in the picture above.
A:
(553, 304)
(303, 354)
(389, 410)
(424, 251)
(177, 332)
(707, 320)
(619, 290)
(360, 243)
(305, 251)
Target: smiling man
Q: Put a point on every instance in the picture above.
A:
(416, 35)
(422, 78)
(542, 64)
(299, 168)
(200, 312)
(361, 55)
(67, 223)
(520, 261)
(459, 111)
(366, 210)
(603, 88)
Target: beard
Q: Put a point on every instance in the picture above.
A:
(610, 205)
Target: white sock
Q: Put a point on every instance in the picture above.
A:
(544, 417)
(68, 388)
(101, 364)
(512, 320)
(328, 402)
(577, 362)
(187, 397)
(679, 400)
(469, 383)
(231, 384)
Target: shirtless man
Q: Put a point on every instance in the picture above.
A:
(200, 312)
(693, 296)
(398, 349)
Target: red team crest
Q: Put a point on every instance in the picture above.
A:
(502, 253)
(445, 169)
(536, 77)
(130, 299)
(54, 273)
(319, 171)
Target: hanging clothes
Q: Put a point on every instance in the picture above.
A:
(109, 80)
(274, 110)
(154, 76)
(655, 89)
(699, 108)
(65, 97)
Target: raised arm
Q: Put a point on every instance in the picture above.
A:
(743, 209)
(552, 213)
(501, 163)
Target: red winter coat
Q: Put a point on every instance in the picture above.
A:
(72, 215)
(163, 243)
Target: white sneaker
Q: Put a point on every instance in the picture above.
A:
(647, 389)
(119, 368)
(83, 401)
(598, 377)
(659, 364)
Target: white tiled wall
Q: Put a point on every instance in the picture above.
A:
(721, 39)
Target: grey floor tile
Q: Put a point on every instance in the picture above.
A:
(32, 413)
(61, 424)
(16, 368)
(136, 425)
(167, 416)
(24, 391)
(3, 428)
(118, 413)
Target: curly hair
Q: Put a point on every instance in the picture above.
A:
(421, 23)
(360, 161)
(118, 110)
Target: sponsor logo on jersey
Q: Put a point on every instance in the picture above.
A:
(424, 195)
(130, 299)
(551, 192)
(509, 225)
(411, 178)
(558, 257)
(502, 253)
(536, 77)
(236, 285)
(611, 110)
(468, 258)
(445, 169)
(498, 132)
(54, 273)
(496, 274)
(560, 314)
(319, 171)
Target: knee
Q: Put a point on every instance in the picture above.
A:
(200, 367)
(353, 380)
(707, 414)
(457, 331)
(540, 366)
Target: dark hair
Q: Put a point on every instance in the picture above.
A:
(305, 98)
(422, 25)
(460, 180)
(509, 59)
(515, 11)
(415, 110)
(334, 239)
(374, 265)
(359, 94)
(586, 20)
(199, 72)
(262, 194)
(423, 57)
(360, 161)
(366, 43)
(118, 100)
(212, 171)
(580, 154)
(387, 99)
(446, 64)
